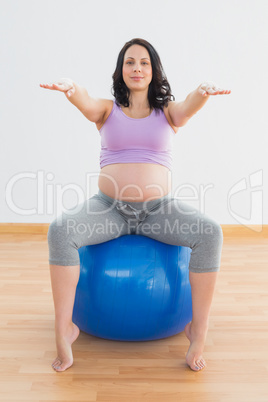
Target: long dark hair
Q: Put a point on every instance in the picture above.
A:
(159, 93)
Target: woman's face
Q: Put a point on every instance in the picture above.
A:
(137, 63)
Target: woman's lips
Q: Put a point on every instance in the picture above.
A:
(137, 78)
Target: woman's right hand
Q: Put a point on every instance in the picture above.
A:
(63, 85)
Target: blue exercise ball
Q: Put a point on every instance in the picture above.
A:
(133, 288)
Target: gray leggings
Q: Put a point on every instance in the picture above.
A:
(166, 219)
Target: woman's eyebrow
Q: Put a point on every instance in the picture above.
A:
(144, 58)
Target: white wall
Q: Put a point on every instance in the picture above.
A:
(44, 136)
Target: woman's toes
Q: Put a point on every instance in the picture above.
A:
(200, 364)
(58, 368)
(63, 366)
(203, 362)
(56, 362)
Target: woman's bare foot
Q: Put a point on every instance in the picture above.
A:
(194, 357)
(64, 342)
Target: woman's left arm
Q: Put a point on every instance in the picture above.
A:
(181, 112)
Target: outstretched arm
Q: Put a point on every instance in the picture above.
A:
(92, 109)
(181, 112)
(197, 99)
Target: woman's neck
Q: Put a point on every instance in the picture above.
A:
(138, 101)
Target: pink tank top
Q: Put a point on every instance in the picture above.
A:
(128, 140)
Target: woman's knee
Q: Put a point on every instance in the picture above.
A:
(217, 234)
(59, 232)
(206, 253)
(63, 249)
(211, 235)
(56, 232)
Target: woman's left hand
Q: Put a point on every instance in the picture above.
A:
(209, 88)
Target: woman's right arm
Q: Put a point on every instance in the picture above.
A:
(93, 109)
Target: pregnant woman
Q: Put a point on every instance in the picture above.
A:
(137, 129)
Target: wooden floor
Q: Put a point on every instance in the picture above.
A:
(236, 349)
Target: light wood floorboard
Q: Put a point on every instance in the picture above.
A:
(236, 349)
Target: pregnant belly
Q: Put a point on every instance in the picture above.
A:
(135, 181)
